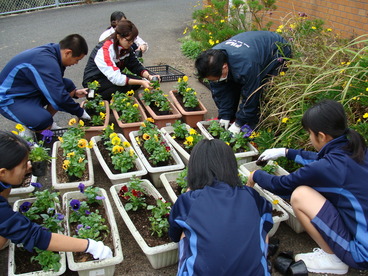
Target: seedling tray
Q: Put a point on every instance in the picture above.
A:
(166, 72)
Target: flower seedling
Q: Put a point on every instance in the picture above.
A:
(189, 95)
(181, 180)
(159, 218)
(97, 109)
(134, 194)
(156, 97)
(125, 104)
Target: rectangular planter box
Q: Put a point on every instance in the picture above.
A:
(21, 192)
(166, 178)
(292, 221)
(128, 127)
(162, 120)
(159, 256)
(189, 117)
(97, 130)
(11, 263)
(97, 267)
(120, 177)
(184, 155)
(242, 157)
(156, 171)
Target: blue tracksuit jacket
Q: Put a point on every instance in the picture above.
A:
(338, 178)
(225, 230)
(38, 72)
(19, 229)
(251, 57)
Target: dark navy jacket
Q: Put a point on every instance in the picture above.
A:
(337, 177)
(225, 230)
(19, 229)
(38, 72)
(251, 56)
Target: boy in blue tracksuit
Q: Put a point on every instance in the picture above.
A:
(236, 68)
(34, 79)
(221, 225)
(329, 194)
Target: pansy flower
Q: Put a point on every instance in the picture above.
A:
(47, 135)
(36, 185)
(75, 204)
(59, 216)
(81, 187)
(25, 206)
(100, 197)
(246, 130)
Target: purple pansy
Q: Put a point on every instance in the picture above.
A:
(87, 212)
(47, 135)
(51, 210)
(246, 130)
(75, 204)
(100, 197)
(25, 206)
(88, 227)
(81, 187)
(36, 185)
(59, 216)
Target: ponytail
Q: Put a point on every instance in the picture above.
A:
(356, 145)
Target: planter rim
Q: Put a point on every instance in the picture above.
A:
(175, 112)
(24, 190)
(202, 111)
(118, 176)
(167, 131)
(165, 179)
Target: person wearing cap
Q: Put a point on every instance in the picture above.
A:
(237, 69)
(34, 79)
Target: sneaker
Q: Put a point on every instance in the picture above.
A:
(319, 261)
(55, 126)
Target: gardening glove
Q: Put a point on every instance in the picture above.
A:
(225, 123)
(234, 128)
(85, 116)
(98, 250)
(273, 154)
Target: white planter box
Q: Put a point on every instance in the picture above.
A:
(166, 178)
(21, 192)
(167, 131)
(11, 263)
(69, 186)
(93, 268)
(242, 157)
(159, 256)
(119, 177)
(292, 220)
(156, 171)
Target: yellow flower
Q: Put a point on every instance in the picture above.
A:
(329, 30)
(185, 78)
(222, 21)
(149, 119)
(156, 137)
(314, 28)
(117, 149)
(227, 143)
(195, 27)
(19, 127)
(281, 27)
(112, 126)
(359, 120)
(217, 41)
(82, 143)
(70, 154)
(138, 140)
(292, 26)
(192, 131)
(186, 30)
(146, 136)
(366, 89)
(188, 89)
(116, 141)
(72, 121)
(194, 93)
(284, 120)
(282, 73)
(126, 144)
(61, 139)
(81, 159)
(179, 80)
(275, 201)
(112, 135)
(81, 123)
(278, 31)
(66, 164)
(131, 153)
(211, 42)
(135, 105)
(13, 131)
(130, 93)
(102, 115)
(101, 103)
(189, 139)
(365, 116)
(90, 144)
(146, 90)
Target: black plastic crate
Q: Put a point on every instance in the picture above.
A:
(166, 72)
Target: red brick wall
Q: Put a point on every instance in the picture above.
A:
(347, 17)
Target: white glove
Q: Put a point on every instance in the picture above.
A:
(273, 154)
(234, 128)
(85, 116)
(98, 250)
(225, 123)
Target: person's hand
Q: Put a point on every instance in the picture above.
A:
(146, 84)
(98, 250)
(273, 154)
(250, 182)
(80, 93)
(234, 128)
(85, 116)
(224, 123)
(142, 47)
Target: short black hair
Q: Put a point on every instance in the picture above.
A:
(212, 160)
(117, 16)
(76, 43)
(210, 62)
(13, 150)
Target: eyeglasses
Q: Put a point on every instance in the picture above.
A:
(129, 41)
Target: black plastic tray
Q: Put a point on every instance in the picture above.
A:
(166, 72)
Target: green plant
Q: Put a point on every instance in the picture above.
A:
(125, 104)
(39, 153)
(93, 85)
(191, 137)
(97, 106)
(270, 168)
(189, 94)
(181, 180)
(47, 259)
(134, 194)
(159, 218)
(156, 97)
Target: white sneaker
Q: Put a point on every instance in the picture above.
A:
(55, 126)
(319, 261)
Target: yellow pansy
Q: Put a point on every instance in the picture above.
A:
(329, 30)
(149, 119)
(284, 120)
(282, 73)
(70, 154)
(14, 132)
(82, 143)
(185, 78)
(72, 121)
(19, 127)
(146, 136)
(211, 42)
(189, 139)
(102, 115)
(112, 135)
(112, 126)
(179, 79)
(126, 144)
(130, 93)
(61, 139)
(90, 144)
(292, 26)
(135, 105)
(365, 116)
(138, 140)
(195, 27)
(188, 89)
(186, 30)
(115, 141)
(117, 149)
(101, 103)
(314, 28)
(81, 123)
(192, 131)
(146, 90)
(66, 164)
(131, 152)
(143, 125)
(156, 137)
(81, 159)
(222, 21)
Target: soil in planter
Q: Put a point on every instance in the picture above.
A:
(159, 113)
(140, 219)
(181, 144)
(174, 185)
(179, 97)
(23, 262)
(91, 112)
(62, 176)
(80, 257)
(106, 156)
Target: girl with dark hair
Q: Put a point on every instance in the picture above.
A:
(110, 57)
(329, 194)
(14, 165)
(221, 225)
